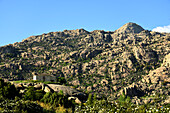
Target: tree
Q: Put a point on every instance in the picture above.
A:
(89, 100)
(33, 95)
(61, 80)
(8, 90)
(125, 101)
(55, 99)
(94, 98)
(30, 94)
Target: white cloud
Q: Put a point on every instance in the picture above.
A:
(162, 29)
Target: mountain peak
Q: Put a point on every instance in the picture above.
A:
(130, 28)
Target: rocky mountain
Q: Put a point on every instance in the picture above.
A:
(130, 60)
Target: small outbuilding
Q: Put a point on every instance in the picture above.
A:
(45, 77)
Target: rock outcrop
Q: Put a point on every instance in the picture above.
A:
(129, 28)
(166, 61)
(67, 90)
(77, 95)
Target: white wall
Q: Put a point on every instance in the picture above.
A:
(34, 77)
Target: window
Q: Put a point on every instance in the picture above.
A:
(43, 78)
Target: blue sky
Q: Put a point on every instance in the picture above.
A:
(20, 19)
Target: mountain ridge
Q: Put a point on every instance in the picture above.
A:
(129, 25)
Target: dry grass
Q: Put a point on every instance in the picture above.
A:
(59, 109)
(46, 106)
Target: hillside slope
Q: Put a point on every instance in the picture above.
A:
(130, 60)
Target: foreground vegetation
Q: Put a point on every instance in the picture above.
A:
(37, 101)
(11, 101)
(122, 105)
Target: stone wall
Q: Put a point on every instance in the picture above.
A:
(44, 78)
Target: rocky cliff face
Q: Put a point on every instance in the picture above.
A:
(99, 61)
